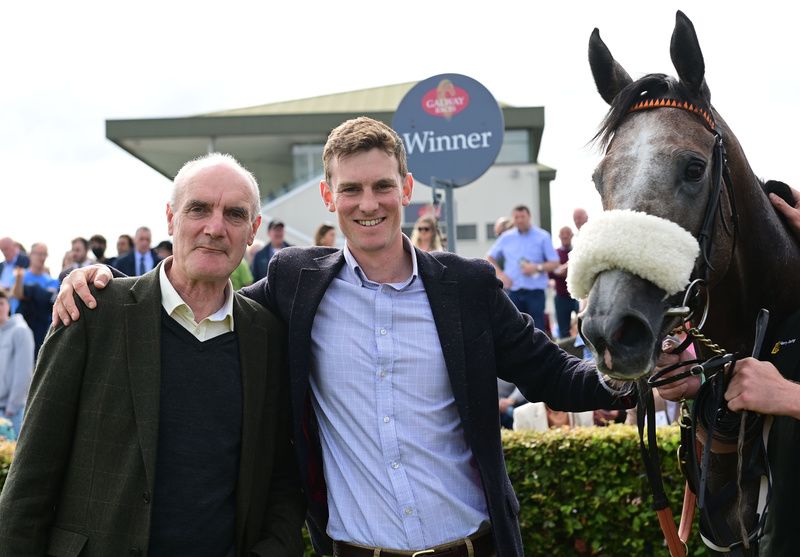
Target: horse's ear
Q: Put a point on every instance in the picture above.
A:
(687, 57)
(609, 76)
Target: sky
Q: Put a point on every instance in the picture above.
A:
(68, 67)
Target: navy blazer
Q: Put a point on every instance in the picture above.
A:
(127, 263)
(482, 335)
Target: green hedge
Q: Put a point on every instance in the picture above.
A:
(581, 491)
(6, 453)
(584, 491)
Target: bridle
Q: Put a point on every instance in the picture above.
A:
(695, 467)
(720, 177)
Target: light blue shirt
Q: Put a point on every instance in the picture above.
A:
(44, 280)
(399, 472)
(515, 247)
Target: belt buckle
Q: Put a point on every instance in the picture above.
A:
(423, 552)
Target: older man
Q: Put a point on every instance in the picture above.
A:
(393, 357)
(159, 424)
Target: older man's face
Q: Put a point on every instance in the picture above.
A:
(211, 224)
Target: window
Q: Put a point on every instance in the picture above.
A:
(515, 149)
(307, 161)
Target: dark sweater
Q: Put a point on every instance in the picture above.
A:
(199, 438)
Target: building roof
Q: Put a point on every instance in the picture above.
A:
(261, 137)
(373, 99)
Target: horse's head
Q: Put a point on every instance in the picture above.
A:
(656, 177)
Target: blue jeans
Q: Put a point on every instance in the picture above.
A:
(530, 302)
(564, 308)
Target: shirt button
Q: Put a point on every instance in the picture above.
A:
(382, 372)
(386, 419)
(146, 496)
(395, 465)
(408, 511)
(383, 331)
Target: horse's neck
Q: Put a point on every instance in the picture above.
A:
(765, 263)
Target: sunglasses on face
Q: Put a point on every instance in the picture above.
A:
(423, 229)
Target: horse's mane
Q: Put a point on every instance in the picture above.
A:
(651, 86)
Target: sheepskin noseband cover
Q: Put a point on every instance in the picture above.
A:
(655, 249)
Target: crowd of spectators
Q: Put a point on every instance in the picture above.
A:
(524, 256)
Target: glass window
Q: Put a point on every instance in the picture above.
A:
(307, 161)
(515, 149)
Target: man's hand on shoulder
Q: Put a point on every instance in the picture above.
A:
(65, 310)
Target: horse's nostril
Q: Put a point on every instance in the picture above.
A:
(631, 332)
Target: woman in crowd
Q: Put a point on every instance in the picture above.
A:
(426, 235)
(325, 235)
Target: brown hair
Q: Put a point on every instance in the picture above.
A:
(360, 135)
(320, 233)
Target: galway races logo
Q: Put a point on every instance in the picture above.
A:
(446, 100)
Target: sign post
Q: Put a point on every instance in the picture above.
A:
(452, 129)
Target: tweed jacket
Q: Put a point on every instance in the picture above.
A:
(83, 473)
(482, 336)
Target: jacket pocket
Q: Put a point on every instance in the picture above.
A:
(65, 543)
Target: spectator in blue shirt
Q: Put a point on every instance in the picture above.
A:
(528, 255)
(36, 290)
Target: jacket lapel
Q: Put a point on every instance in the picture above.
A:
(143, 337)
(253, 356)
(446, 309)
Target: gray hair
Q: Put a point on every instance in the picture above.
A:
(212, 159)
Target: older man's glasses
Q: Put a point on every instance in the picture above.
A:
(423, 229)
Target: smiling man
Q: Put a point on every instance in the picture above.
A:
(159, 424)
(393, 357)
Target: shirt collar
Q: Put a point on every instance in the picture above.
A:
(171, 300)
(363, 280)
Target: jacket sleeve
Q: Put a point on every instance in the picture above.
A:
(528, 358)
(22, 369)
(30, 496)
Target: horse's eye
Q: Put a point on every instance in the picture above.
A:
(695, 170)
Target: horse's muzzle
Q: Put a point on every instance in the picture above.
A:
(622, 324)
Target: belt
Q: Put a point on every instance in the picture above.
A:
(480, 544)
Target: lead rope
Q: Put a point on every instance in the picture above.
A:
(761, 328)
